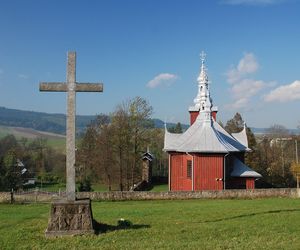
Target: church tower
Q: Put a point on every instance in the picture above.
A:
(203, 95)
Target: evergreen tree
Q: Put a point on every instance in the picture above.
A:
(177, 129)
(235, 124)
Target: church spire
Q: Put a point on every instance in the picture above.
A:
(203, 102)
(203, 89)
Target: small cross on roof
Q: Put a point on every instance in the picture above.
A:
(202, 56)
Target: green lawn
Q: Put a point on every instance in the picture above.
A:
(160, 188)
(191, 224)
(55, 187)
(97, 187)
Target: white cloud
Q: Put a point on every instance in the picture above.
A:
(243, 88)
(247, 88)
(239, 103)
(252, 2)
(247, 65)
(162, 79)
(285, 93)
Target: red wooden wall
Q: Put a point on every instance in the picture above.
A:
(250, 183)
(194, 115)
(208, 171)
(179, 179)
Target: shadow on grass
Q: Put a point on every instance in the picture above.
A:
(104, 228)
(251, 215)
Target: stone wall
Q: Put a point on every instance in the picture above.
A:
(5, 197)
(224, 194)
(121, 196)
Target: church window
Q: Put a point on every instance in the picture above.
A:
(189, 169)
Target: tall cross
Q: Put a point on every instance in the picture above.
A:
(71, 87)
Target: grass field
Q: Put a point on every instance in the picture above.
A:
(191, 224)
(55, 141)
(160, 188)
(97, 187)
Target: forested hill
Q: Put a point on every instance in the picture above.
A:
(55, 123)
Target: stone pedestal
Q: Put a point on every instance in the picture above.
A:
(70, 218)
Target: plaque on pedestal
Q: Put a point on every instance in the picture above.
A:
(70, 218)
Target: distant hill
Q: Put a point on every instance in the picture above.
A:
(53, 123)
(56, 123)
(264, 131)
(160, 124)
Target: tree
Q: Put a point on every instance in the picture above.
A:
(105, 156)
(177, 129)
(235, 124)
(113, 148)
(121, 143)
(139, 119)
(277, 131)
(276, 151)
(11, 178)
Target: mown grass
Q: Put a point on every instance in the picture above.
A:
(191, 224)
(96, 187)
(160, 188)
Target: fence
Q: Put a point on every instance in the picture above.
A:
(41, 196)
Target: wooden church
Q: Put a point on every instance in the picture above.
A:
(205, 156)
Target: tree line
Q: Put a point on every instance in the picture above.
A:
(112, 147)
(273, 154)
(110, 151)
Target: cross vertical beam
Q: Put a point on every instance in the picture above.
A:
(70, 133)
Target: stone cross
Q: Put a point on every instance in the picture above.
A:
(71, 87)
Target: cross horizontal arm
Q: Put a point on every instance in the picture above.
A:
(89, 87)
(53, 86)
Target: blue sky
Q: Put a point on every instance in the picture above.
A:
(151, 49)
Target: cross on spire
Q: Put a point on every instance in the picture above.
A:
(202, 56)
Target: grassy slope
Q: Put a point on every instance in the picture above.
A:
(56, 142)
(193, 224)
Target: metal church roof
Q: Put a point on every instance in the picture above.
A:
(241, 136)
(242, 170)
(203, 136)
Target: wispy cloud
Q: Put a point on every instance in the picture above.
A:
(284, 93)
(162, 79)
(23, 76)
(252, 2)
(247, 65)
(242, 87)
